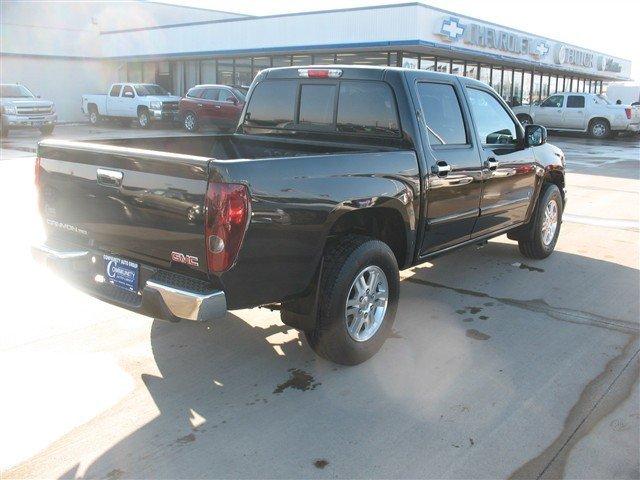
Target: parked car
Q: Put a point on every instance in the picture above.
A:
(581, 112)
(146, 102)
(315, 203)
(23, 109)
(218, 105)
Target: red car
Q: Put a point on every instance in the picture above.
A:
(218, 105)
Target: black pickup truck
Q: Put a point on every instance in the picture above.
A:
(334, 179)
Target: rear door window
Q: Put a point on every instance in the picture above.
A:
(115, 91)
(442, 114)
(367, 108)
(575, 101)
(210, 93)
(317, 104)
(272, 104)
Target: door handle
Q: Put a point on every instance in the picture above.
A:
(491, 163)
(109, 178)
(441, 168)
(199, 104)
(217, 106)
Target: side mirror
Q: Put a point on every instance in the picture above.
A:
(535, 135)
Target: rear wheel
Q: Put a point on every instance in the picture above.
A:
(599, 128)
(94, 117)
(357, 301)
(144, 120)
(541, 236)
(191, 122)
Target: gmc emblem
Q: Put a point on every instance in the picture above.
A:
(186, 259)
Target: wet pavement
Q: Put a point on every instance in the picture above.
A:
(498, 367)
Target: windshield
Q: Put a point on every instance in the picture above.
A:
(145, 90)
(15, 91)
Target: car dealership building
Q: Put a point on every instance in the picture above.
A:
(73, 49)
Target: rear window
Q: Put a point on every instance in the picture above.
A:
(316, 105)
(272, 104)
(367, 108)
(575, 101)
(363, 107)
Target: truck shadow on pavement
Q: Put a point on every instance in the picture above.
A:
(232, 405)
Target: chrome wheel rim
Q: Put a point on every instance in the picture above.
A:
(598, 130)
(367, 303)
(189, 122)
(550, 222)
(93, 117)
(143, 119)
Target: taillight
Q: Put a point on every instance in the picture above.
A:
(628, 112)
(319, 72)
(227, 216)
(36, 172)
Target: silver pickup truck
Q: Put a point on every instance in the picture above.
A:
(23, 109)
(146, 102)
(581, 112)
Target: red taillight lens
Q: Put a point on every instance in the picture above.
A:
(227, 207)
(628, 112)
(36, 172)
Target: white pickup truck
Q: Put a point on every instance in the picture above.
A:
(581, 112)
(145, 102)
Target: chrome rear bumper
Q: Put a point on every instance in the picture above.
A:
(155, 298)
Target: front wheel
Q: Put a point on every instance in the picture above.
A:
(357, 302)
(144, 120)
(540, 239)
(47, 129)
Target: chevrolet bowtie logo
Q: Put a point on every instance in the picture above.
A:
(452, 29)
(541, 49)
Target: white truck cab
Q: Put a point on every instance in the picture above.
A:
(145, 102)
(581, 112)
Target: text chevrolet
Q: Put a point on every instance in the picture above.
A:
(334, 180)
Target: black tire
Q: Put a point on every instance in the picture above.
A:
(47, 129)
(599, 128)
(144, 119)
(531, 242)
(94, 116)
(343, 263)
(525, 119)
(190, 122)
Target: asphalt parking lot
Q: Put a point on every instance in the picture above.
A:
(498, 367)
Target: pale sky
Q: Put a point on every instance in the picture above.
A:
(610, 26)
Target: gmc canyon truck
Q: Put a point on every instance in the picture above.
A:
(334, 179)
(146, 102)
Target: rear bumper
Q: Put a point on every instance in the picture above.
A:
(162, 296)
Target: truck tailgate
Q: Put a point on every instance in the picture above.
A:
(138, 204)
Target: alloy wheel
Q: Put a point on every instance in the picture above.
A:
(366, 303)
(550, 222)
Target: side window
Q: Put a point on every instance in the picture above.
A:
(367, 108)
(272, 104)
(210, 93)
(115, 91)
(494, 124)
(442, 114)
(127, 91)
(316, 105)
(194, 93)
(553, 101)
(226, 96)
(575, 101)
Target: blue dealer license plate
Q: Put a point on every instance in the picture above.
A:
(121, 273)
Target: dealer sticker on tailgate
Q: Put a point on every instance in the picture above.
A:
(121, 273)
